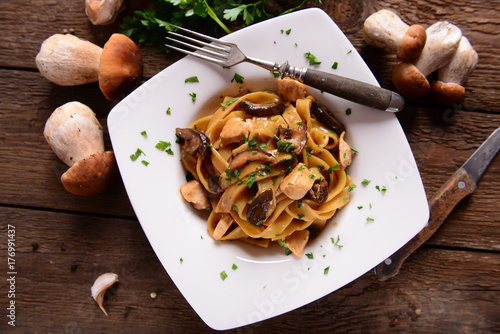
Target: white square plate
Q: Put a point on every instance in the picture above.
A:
(266, 283)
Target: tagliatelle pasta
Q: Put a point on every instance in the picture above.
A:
(270, 167)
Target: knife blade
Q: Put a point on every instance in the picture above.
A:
(461, 184)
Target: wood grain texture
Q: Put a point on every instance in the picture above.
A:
(449, 285)
(52, 297)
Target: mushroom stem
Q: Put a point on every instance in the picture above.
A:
(102, 12)
(67, 60)
(448, 89)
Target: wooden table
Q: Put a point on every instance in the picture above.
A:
(63, 242)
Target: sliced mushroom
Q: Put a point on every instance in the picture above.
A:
(261, 208)
(194, 193)
(261, 110)
(222, 226)
(325, 116)
(213, 184)
(298, 137)
(194, 142)
(319, 191)
(255, 154)
(345, 152)
(297, 241)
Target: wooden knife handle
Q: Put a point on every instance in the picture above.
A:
(440, 206)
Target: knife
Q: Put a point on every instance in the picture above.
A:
(460, 185)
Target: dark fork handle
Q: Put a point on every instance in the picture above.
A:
(354, 90)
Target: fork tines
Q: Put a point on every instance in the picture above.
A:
(216, 51)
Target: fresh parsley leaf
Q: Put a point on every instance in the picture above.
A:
(312, 59)
(335, 65)
(238, 78)
(365, 182)
(348, 111)
(326, 270)
(223, 275)
(192, 79)
(193, 96)
(225, 104)
(234, 267)
(310, 256)
(144, 134)
(162, 145)
(136, 155)
(285, 247)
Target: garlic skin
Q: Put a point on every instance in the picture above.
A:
(101, 284)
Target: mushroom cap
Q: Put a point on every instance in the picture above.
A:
(90, 175)
(409, 81)
(412, 43)
(102, 12)
(67, 60)
(447, 94)
(73, 132)
(120, 68)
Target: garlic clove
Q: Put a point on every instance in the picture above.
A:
(101, 284)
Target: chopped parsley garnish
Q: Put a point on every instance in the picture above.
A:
(349, 51)
(334, 167)
(163, 145)
(360, 207)
(336, 242)
(235, 208)
(352, 186)
(145, 163)
(287, 31)
(234, 267)
(136, 155)
(310, 256)
(252, 142)
(181, 260)
(169, 111)
(223, 275)
(335, 65)
(383, 189)
(238, 78)
(284, 146)
(312, 59)
(326, 270)
(144, 134)
(285, 247)
(193, 96)
(348, 111)
(192, 79)
(299, 203)
(368, 219)
(225, 104)
(276, 74)
(301, 215)
(365, 182)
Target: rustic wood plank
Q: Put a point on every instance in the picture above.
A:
(478, 20)
(432, 288)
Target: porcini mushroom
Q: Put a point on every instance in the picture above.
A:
(448, 89)
(410, 78)
(102, 12)
(385, 29)
(68, 60)
(76, 137)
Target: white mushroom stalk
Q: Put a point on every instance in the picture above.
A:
(100, 286)
(68, 60)
(102, 12)
(448, 89)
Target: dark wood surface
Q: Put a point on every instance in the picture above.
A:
(449, 285)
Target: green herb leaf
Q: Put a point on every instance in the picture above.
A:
(163, 145)
(193, 96)
(310, 256)
(312, 59)
(285, 247)
(238, 78)
(192, 79)
(335, 65)
(225, 104)
(234, 267)
(144, 134)
(136, 155)
(326, 270)
(223, 275)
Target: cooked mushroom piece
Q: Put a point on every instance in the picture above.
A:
(194, 141)
(194, 193)
(261, 110)
(255, 154)
(214, 186)
(291, 89)
(298, 137)
(319, 191)
(261, 208)
(325, 116)
(297, 241)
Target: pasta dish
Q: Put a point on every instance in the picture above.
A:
(268, 167)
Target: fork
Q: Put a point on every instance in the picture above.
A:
(228, 54)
